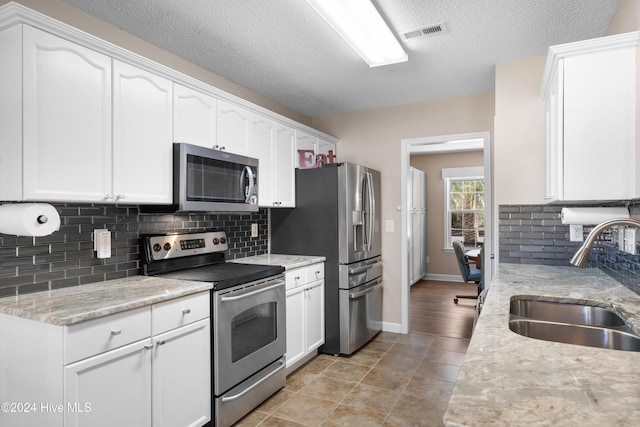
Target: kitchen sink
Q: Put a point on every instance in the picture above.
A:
(563, 312)
(571, 323)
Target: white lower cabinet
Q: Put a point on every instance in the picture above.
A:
(110, 389)
(150, 366)
(305, 313)
(181, 372)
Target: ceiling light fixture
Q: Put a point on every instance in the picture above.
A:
(359, 23)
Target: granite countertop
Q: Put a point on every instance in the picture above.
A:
(511, 380)
(289, 262)
(71, 305)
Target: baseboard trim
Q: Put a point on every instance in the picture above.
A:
(392, 327)
(444, 277)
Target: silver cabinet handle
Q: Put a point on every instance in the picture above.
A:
(161, 342)
(186, 311)
(116, 331)
(148, 346)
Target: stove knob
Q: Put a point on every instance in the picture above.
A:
(157, 247)
(223, 240)
(167, 246)
(215, 241)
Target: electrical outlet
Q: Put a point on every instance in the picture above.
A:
(576, 233)
(621, 239)
(102, 243)
(630, 240)
(254, 230)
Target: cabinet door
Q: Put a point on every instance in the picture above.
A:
(314, 303)
(296, 346)
(194, 117)
(142, 136)
(234, 124)
(110, 389)
(305, 150)
(67, 120)
(182, 376)
(284, 166)
(599, 125)
(262, 143)
(326, 151)
(554, 119)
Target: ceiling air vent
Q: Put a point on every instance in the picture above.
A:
(431, 30)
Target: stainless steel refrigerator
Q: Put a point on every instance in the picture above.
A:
(337, 215)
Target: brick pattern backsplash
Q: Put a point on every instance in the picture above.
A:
(66, 257)
(534, 234)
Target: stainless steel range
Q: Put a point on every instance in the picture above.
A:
(247, 314)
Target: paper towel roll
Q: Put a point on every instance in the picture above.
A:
(591, 216)
(29, 219)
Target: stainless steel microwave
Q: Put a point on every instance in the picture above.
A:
(208, 180)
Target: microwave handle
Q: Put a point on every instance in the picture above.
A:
(250, 189)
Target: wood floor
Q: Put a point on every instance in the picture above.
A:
(432, 310)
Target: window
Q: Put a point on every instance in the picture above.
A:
(464, 206)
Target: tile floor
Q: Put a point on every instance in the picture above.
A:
(395, 380)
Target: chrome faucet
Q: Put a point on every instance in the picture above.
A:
(582, 255)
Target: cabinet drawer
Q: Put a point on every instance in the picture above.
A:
(105, 333)
(295, 278)
(303, 275)
(179, 312)
(315, 272)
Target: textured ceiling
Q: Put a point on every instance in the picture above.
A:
(283, 50)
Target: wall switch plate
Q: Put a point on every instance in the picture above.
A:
(621, 239)
(389, 226)
(630, 240)
(576, 233)
(254, 230)
(102, 243)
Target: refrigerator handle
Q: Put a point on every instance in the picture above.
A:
(371, 211)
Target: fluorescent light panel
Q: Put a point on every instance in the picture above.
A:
(361, 26)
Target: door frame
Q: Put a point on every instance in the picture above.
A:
(445, 144)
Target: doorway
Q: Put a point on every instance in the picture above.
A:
(435, 145)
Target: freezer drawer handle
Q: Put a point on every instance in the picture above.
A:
(371, 289)
(248, 389)
(248, 294)
(365, 268)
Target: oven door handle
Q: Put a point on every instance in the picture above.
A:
(248, 294)
(248, 389)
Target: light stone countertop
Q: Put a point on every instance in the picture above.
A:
(511, 380)
(75, 304)
(289, 262)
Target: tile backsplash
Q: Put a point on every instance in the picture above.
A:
(534, 234)
(66, 257)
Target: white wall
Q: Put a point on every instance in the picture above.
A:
(373, 137)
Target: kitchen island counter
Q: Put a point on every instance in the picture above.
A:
(289, 262)
(75, 304)
(511, 380)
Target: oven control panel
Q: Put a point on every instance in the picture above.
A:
(180, 245)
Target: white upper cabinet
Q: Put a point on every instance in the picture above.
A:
(90, 125)
(234, 127)
(305, 149)
(194, 117)
(142, 135)
(273, 144)
(284, 166)
(589, 89)
(67, 120)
